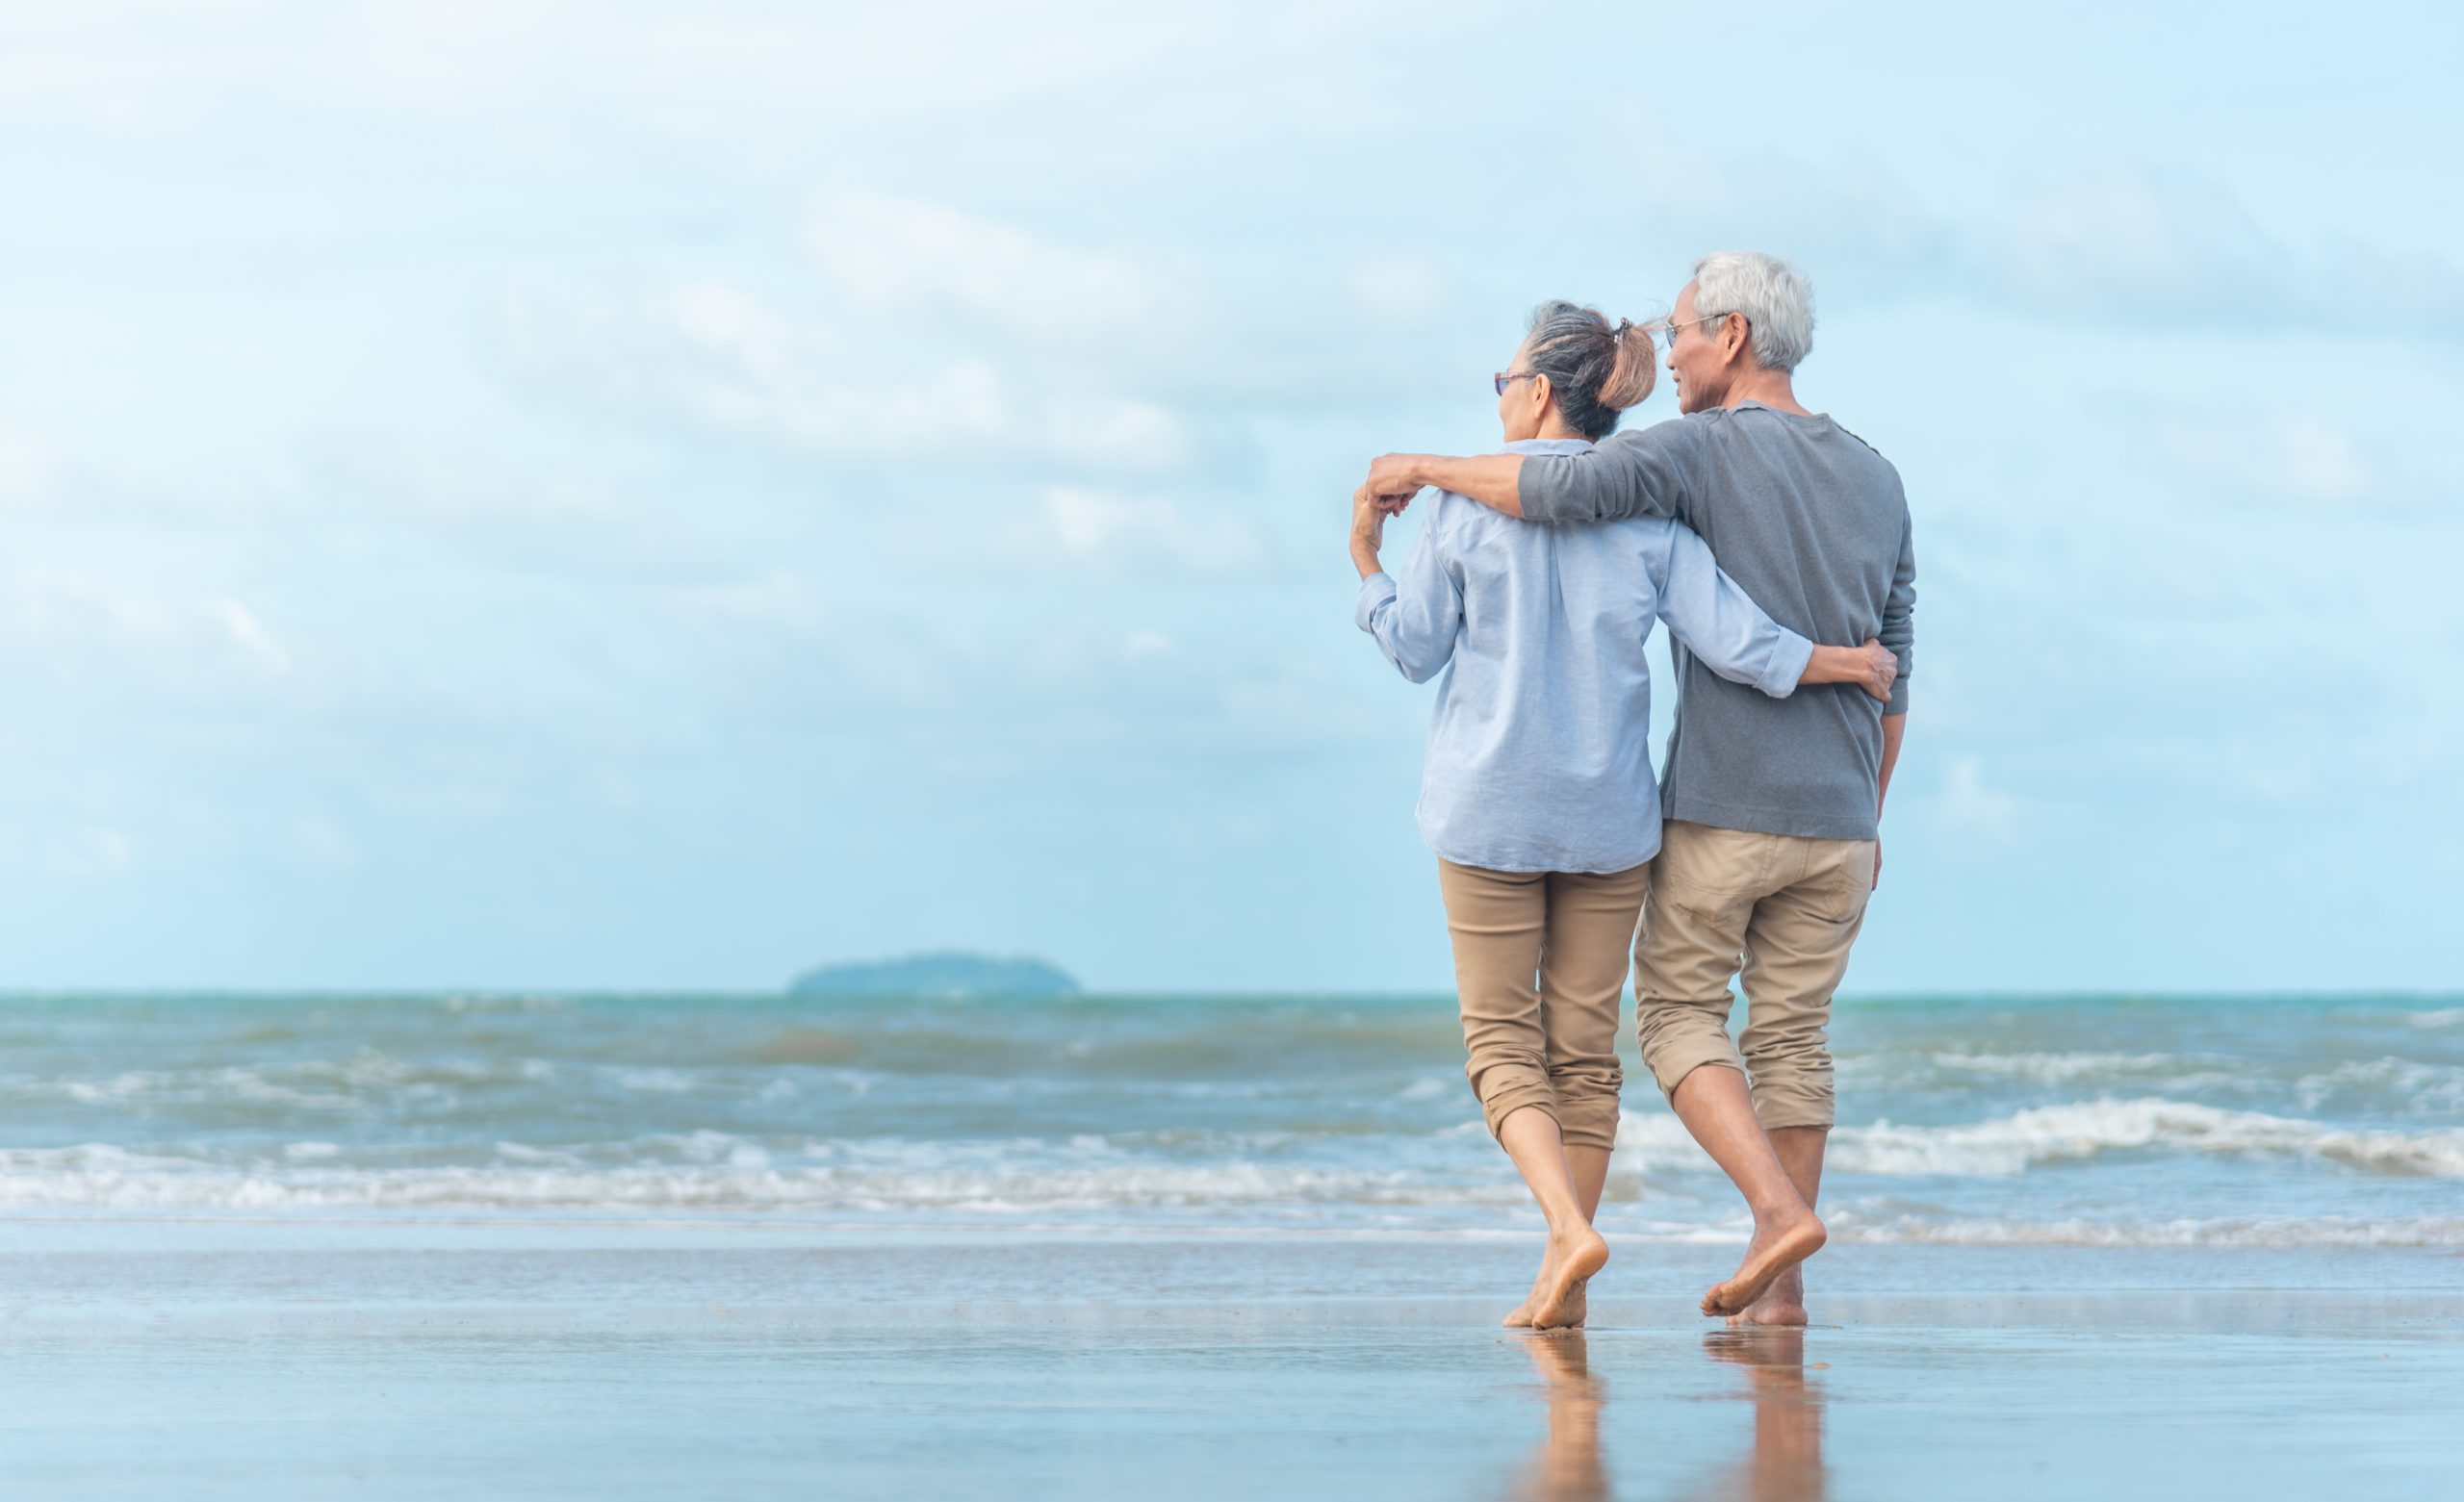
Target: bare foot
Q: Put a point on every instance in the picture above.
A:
(1541, 1284)
(1784, 1303)
(1558, 1301)
(1773, 1250)
(1522, 1315)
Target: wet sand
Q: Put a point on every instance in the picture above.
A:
(377, 1359)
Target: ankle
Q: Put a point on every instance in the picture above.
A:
(1780, 1213)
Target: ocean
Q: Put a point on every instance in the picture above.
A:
(650, 1246)
(2282, 1122)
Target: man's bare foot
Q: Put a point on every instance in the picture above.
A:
(1784, 1303)
(1773, 1250)
(1560, 1301)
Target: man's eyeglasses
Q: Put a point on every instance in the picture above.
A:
(1504, 379)
(1667, 328)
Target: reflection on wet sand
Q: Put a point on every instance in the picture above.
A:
(1785, 1463)
(1566, 1466)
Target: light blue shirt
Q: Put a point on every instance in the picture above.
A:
(1539, 754)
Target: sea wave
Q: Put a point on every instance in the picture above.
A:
(2053, 1134)
(2321, 1232)
(2069, 1068)
(742, 1178)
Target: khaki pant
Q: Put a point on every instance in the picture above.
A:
(1540, 963)
(1790, 906)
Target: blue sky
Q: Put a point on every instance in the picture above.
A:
(589, 495)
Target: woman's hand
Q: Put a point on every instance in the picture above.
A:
(1871, 667)
(1881, 669)
(1368, 531)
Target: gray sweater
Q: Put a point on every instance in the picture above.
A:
(1812, 523)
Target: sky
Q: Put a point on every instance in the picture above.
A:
(617, 495)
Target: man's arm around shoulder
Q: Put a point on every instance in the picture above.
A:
(1643, 474)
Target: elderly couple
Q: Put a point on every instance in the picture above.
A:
(1768, 538)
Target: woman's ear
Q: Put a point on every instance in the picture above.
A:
(1541, 392)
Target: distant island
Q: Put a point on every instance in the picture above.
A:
(943, 972)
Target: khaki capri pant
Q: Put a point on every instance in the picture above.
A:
(1539, 964)
(1785, 906)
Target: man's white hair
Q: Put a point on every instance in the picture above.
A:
(1773, 295)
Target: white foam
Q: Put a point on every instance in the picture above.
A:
(2330, 1231)
(2059, 1068)
(2052, 1133)
(730, 1174)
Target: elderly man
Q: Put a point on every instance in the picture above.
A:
(1774, 807)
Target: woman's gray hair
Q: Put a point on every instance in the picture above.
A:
(1773, 295)
(1595, 371)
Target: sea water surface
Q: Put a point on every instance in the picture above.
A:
(2321, 1122)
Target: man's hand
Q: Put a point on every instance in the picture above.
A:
(1394, 477)
(1882, 668)
(1878, 862)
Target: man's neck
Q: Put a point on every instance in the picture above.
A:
(1770, 388)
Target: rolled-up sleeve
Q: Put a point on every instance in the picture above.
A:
(1648, 473)
(1720, 623)
(1416, 618)
(1898, 634)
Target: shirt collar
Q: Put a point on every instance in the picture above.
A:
(1547, 446)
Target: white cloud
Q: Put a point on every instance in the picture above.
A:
(1972, 808)
(1399, 287)
(2143, 244)
(89, 853)
(321, 843)
(2270, 453)
(1076, 524)
(241, 625)
(25, 462)
(892, 252)
(101, 634)
(967, 407)
(724, 319)
(727, 359)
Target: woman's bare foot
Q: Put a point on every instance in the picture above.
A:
(1559, 1299)
(1521, 1318)
(1540, 1283)
(1773, 1250)
(1784, 1303)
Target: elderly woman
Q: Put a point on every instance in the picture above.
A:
(1536, 794)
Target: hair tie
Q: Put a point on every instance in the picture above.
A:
(1623, 324)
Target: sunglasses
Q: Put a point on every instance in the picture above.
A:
(1504, 379)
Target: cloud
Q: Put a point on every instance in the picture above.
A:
(2270, 453)
(2168, 248)
(101, 634)
(725, 360)
(895, 252)
(2146, 245)
(1076, 524)
(25, 462)
(1970, 808)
